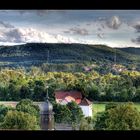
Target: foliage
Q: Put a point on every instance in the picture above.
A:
(3, 111)
(19, 121)
(110, 105)
(121, 117)
(27, 106)
(86, 124)
(61, 113)
(76, 112)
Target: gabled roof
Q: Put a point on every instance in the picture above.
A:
(85, 102)
(64, 94)
(69, 96)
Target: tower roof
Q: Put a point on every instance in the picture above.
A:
(45, 107)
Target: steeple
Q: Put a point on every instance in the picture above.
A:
(46, 112)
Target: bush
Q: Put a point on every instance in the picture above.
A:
(86, 124)
(19, 120)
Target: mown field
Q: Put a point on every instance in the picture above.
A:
(100, 106)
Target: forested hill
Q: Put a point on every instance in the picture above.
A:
(38, 53)
(131, 50)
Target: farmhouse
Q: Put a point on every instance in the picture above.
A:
(64, 97)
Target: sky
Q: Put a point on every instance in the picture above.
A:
(115, 28)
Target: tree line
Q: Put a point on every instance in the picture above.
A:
(17, 84)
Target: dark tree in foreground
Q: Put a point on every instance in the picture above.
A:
(62, 113)
(76, 111)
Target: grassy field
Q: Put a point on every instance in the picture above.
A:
(99, 107)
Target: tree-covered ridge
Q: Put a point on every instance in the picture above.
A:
(39, 53)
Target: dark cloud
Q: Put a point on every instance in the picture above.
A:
(99, 29)
(79, 31)
(100, 35)
(67, 32)
(137, 27)
(6, 25)
(13, 35)
(114, 22)
(137, 40)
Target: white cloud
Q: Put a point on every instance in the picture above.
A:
(26, 35)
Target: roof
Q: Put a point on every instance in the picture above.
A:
(85, 102)
(70, 94)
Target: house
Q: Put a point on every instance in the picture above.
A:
(64, 97)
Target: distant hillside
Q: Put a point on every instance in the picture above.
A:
(39, 53)
(131, 50)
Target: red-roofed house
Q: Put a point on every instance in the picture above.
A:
(64, 97)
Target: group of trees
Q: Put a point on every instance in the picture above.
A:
(24, 117)
(118, 117)
(19, 84)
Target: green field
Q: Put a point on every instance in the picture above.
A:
(100, 106)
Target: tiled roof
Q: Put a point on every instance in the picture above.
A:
(64, 94)
(69, 96)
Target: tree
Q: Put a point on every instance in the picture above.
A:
(100, 120)
(61, 113)
(25, 92)
(93, 92)
(27, 106)
(13, 90)
(121, 117)
(86, 124)
(19, 120)
(39, 91)
(3, 111)
(76, 111)
(137, 95)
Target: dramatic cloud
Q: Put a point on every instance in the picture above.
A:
(114, 22)
(24, 35)
(137, 27)
(78, 31)
(100, 35)
(137, 40)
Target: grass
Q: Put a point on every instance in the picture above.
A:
(100, 106)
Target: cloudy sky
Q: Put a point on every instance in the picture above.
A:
(115, 28)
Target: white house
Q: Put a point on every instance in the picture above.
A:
(86, 107)
(64, 97)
